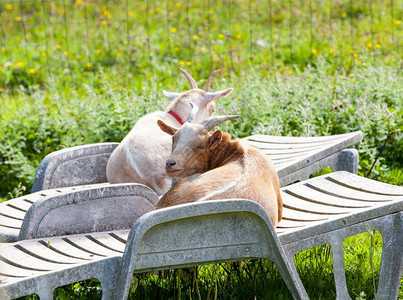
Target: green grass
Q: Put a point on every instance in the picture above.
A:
(298, 68)
(69, 40)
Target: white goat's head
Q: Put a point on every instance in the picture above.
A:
(204, 100)
(192, 145)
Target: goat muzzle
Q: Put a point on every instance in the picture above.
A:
(170, 165)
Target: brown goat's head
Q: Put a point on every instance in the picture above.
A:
(204, 100)
(192, 145)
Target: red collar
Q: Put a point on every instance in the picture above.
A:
(176, 117)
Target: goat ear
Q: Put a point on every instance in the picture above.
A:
(215, 139)
(166, 128)
(170, 95)
(208, 97)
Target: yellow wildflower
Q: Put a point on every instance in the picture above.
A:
(359, 62)
(9, 6)
(104, 23)
(32, 70)
(377, 46)
(238, 36)
(107, 14)
(157, 10)
(37, 85)
(331, 51)
(353, 80)
(196, 37)
(79, 1)
(355, 55)
(59, 47)
(12, 65)
(205, 28)
(66, 53)
(20, 64)
(188, 63)
(176, 49)
(114, 83)
(369, 45)
(351, 75)
(236, 26)
(3, 49)
(43, 54)
(181, 63)
(398, 22)
(351, 51)
(173, 30)
(344, 15)
(178, 4)
(239, 97)
(130, 14)
(314, 51)
(98, 51)
(17, 19)
(89, 65)
(220, 36)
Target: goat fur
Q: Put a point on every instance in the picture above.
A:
(229, 169)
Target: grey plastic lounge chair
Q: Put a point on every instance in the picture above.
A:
(84, 167)
(225, 231)
(321, 210)
(295, 158)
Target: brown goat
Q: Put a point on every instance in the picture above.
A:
(228, 168)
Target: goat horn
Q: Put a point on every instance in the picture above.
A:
(193, 112)
(211, 78)
(213, 121)
(192, 82)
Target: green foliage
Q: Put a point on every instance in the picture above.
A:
(85, 290)
(309, 103)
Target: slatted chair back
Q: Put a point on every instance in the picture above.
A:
(80, 165)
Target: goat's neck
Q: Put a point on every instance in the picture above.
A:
(225, 152)
(180, 108)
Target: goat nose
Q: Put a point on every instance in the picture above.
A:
(170, 163)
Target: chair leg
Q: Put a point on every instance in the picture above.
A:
(347, 160)
(291, 278)
(392, 259)
(109, 285)
(46, 294)
(338, 269)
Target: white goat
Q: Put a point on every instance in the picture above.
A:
(141, 155)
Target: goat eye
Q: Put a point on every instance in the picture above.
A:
(201, 147)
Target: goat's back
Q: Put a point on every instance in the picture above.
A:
(251, 176)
